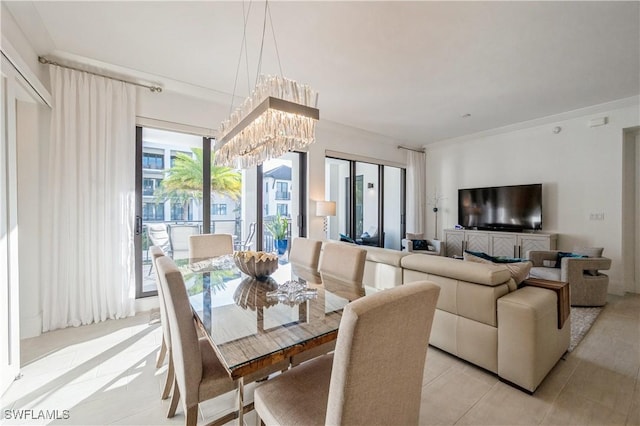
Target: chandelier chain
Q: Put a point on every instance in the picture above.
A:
(243, 46)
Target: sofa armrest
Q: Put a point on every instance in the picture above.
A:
(537, 257)
(529, 341)
(407, 245)
(573, 268)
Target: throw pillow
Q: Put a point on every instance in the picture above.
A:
(590, 252)
(494, 259)
(346, 239)
(420, 244)
(562, 254)
(519, 270)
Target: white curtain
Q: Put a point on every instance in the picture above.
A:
(416, 192)
(89, 271)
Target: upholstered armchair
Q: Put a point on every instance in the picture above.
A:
(588, 286)
(418, 244)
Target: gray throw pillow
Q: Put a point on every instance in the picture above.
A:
(590, 252)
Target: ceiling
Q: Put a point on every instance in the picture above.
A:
(407, 70)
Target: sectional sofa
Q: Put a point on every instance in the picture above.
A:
(481, 316)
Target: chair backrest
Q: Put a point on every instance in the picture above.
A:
(179, 238)
(187, 359)
(156, 252)
(158, 235)
(210, 245)
(380, 352)
(305, 252)
(342, 269)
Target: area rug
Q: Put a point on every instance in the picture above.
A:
(581, 321)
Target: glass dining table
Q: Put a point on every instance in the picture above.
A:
(257, 324)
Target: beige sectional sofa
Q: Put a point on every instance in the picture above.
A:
(481, 315)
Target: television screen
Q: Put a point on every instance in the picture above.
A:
(501, 208)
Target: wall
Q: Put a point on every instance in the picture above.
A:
(580, 169)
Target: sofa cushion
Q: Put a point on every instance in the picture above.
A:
(544, 273)
(486, 274)
(382, 255)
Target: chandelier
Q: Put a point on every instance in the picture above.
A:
(279, 116)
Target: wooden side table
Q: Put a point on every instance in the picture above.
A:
(562, 291)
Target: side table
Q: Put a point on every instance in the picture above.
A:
(562, 291)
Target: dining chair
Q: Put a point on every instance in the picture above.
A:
(305, 253)
(199, 374)
(179, 239)
(159, 237)
(210, 245)
(342, 269)
(374, 377)
(165, 346)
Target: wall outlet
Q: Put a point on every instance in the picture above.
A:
(596, 216)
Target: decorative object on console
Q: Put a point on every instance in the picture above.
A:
(433, 202)
(325, 209)
(279, 116)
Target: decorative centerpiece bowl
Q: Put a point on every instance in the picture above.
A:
(256, 264)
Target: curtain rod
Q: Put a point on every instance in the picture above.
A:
(154, 89)
(411, 149)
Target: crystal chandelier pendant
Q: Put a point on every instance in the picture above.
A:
(279, 116)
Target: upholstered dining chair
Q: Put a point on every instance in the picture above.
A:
(342, 269)
(374, 377)
(210, 245)
(165, 346)
(179, 239)
(305, 253)
(199, 374)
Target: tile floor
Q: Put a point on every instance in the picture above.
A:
(105, 374)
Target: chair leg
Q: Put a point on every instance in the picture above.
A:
(161, 353)
(169, 381)
(192, 416)
(175, 399)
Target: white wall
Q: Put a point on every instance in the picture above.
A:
(580, 169)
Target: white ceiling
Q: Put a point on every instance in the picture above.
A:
(408, 70)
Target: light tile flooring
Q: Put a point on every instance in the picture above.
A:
(105, 374)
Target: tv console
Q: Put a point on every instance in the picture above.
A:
(496, 243)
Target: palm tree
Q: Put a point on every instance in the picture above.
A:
(183, 181)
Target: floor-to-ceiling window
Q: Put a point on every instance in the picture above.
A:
(173, 200)
(369, 202)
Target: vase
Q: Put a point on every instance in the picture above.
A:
(281, 245)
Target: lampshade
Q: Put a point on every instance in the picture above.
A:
(325, 208)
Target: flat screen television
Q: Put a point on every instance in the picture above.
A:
(501, 208)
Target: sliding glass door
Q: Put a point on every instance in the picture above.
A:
(369, 202)
(173, 202)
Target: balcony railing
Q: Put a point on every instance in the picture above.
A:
(283, 195)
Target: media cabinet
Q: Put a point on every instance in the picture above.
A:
(510, 244)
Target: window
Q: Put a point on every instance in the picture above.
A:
(152, 211)
(149, 185)
(152, 161)
(283, 209)
(177, 212)
(282, 191)
(266, 187)
(218, 209)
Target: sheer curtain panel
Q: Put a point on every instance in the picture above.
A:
(416, 192)
(89, 272)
